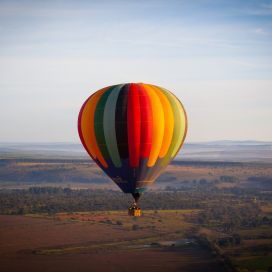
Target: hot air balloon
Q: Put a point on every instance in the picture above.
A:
(132, 131)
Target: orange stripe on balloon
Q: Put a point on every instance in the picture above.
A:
(157, 124)
(87, 126)
(80, 129)
(181, 125)
(168, 122)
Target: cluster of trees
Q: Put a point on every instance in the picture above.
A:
(230, 179)
(72, 172)
(261, 181)
(260, 178)
(57, 199)
(234, 239)
(230, 217)
(195, 184)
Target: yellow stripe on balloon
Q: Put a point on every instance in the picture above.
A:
(168, 122)
(87, 126)
(183, 128)
(157, 124)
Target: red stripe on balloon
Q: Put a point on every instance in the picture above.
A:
(146, 123)
(134, 125)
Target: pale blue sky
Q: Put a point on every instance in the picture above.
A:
(215, 55)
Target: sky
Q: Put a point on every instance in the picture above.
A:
(216, 56)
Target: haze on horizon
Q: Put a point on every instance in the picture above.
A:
(216, 56)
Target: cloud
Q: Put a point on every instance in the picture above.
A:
(261, 31)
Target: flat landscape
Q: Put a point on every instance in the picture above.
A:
(64, 214)
(97, 242)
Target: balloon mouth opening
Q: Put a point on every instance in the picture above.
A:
(136, 197)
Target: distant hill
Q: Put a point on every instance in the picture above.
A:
(232, 143)
(242, 151)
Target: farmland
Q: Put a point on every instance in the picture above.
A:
(103, 241)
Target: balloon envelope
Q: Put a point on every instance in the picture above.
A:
(132, 131)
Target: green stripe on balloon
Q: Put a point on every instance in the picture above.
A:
(98, 124)
(109, 125)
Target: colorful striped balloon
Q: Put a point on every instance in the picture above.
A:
(132, 131)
